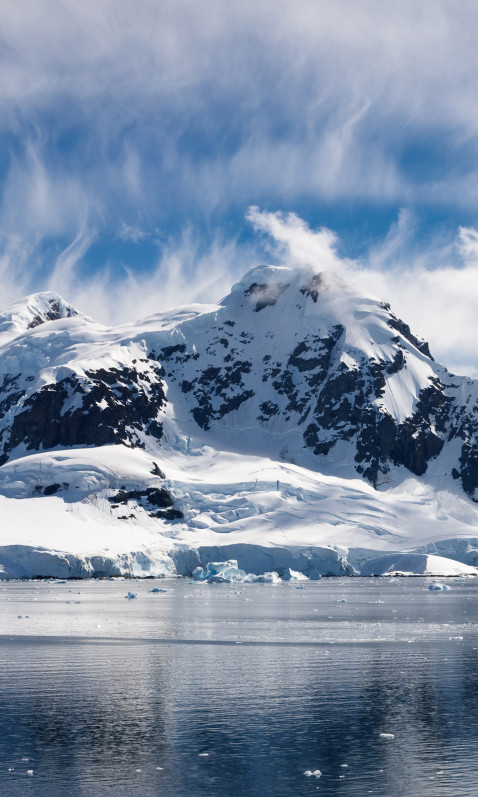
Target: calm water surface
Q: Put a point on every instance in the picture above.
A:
(207, 690)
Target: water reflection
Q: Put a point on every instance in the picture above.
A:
(90, 713)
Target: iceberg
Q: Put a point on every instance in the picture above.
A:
(293, 575)
(220, 572)
(264, 578)
(228, 572)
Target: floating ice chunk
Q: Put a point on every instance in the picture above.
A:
(228, 572)
(437, 587)
(264, 578)
(300, 586)
(387, 736)
(155, 590)
(220, 572)
(203, 755)
(29, 771)
(292, 575)
(131, 595)
(313, 773)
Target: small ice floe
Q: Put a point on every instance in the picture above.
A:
(455, 638)
(159, 769)
(29, 771)
(312, 773)
(10, 769)
(341, 600)
(131, 595)
(229, 572)
(387, 736)
(264, 578)
(344, 766)
(300, 586)
(437, 587)
(203, 755)
(292, 575)
(155, 590)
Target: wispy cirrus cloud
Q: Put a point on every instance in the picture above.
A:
(156, 124)
(181, 106)
(433, 287)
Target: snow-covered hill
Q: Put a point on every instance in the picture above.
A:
(295, 424)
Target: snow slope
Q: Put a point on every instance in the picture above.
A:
(294, 425)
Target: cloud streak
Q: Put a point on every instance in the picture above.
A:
(434, 289)
(211, 106)
(156, 124)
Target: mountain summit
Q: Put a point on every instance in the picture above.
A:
(293, 367)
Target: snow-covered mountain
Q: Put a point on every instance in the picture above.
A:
(296, 418)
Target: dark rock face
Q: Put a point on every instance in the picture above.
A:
(52, 314)
(102, 408)
(264, 295)
(149, 499)
(313, 287)
(312, 382)
(404, 329)
(329, 400)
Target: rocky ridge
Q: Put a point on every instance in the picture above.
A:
(292, 365)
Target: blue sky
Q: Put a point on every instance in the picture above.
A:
(136, 136)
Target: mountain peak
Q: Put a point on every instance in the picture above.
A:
(33, 310)
(265, 285)
(267, 276)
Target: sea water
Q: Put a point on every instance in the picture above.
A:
(207, 690)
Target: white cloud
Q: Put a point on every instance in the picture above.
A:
(117, 119)
(435, 290)
(307, 98)
(186, 272)
(293, 240)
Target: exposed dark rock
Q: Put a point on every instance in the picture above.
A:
(167, 515)
(264, 294)
(147, 499)
(152, 495)
(400, 326)
(116, 405)
(168, 351)
(51, 489)
(268, 410)
(312, 289)
(53, 314)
